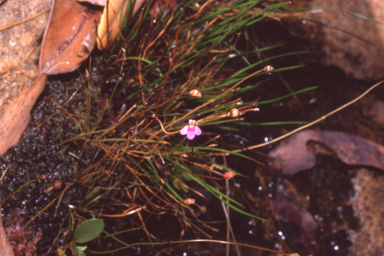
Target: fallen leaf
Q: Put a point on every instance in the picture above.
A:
(17, 114)
(293, 155)
(5, 247)
(69, 38)
(112, 21)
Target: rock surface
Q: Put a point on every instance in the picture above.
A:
(349, 42)
(20, 46)
(368, 206)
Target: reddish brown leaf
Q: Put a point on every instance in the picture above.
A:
(69, 38)
(17, 114)
(293, 155)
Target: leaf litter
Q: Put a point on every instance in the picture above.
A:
(293, 155)
(69, 38)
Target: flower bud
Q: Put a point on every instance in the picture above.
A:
(268, 69)
(195, 93)
(189, 201)
(234, 113)
(228, 175)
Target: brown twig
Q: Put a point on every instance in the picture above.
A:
(2, 176)
(311, 123)
(162, 127)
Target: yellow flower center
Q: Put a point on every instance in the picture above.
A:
(191, 127)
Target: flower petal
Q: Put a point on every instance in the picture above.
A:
(184, 130)
(190, 135)
(197, 130)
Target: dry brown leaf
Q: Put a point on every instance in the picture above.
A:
(17, 114)
(69, 38)
(293, 155)
(112, 20)
(5, 247)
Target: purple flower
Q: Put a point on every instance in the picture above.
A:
(191, 130)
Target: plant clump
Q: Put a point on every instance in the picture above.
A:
(112, 134)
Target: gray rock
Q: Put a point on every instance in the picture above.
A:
(351, 43)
